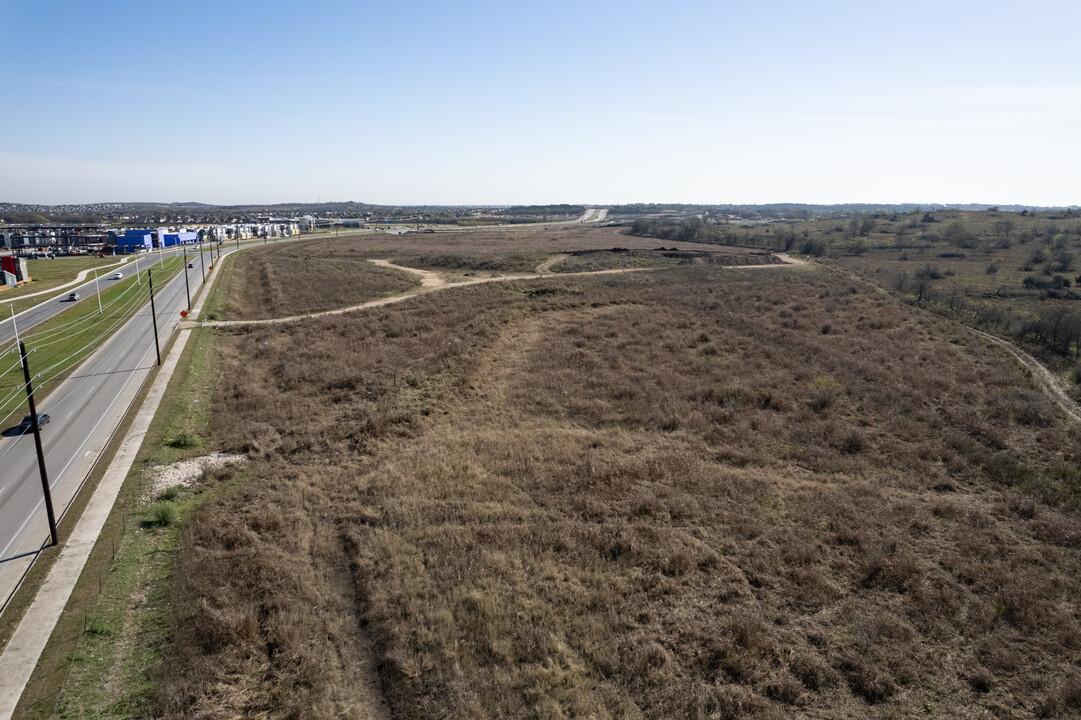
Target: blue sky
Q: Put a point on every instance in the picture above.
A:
(476, 102)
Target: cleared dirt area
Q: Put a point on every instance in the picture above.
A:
(685, 493)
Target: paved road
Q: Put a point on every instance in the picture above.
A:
(85, 410)
(58, 304)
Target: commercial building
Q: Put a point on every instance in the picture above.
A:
(177, 238)
(56, 238)
(131, 241)
(13, 271)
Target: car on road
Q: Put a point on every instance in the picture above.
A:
(191, 265)
(28, 423)
(117, 275)
(72, 297)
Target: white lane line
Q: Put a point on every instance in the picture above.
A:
(18, 533)
(56, 480)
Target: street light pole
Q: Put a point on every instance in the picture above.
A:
(97, 290)
(187, 289)
(153, 314)
(37, 443)
(11, 307)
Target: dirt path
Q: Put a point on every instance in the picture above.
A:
(1044, 379)
(431, 281)
(428, 279)
(546, 266)
(786, 261)
(440, 285)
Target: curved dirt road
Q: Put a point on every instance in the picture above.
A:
(431, 282)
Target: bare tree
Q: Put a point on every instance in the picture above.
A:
(1003, 229)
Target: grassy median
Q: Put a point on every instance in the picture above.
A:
(56, 346)
(103, 653)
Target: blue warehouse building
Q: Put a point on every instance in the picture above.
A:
(135, 241)
(143, 240)
(180, 238)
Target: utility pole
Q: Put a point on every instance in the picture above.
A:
(11, 307)
(97, 290)
(37, 443)
(153, 314)
(187, 289)
(202, 265)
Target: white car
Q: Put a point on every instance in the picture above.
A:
(117, 275)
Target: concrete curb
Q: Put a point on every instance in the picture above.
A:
(23, 651)
(21, 655)
(78, 279)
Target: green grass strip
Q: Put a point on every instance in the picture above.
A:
(58, 345)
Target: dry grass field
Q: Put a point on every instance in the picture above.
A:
(1014, 275)
(696, 492)
(305, 277)
(515, 250)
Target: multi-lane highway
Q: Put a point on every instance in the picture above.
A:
(41, 312)
(85, 411)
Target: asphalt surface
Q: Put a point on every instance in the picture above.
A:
(85, 410)
(43, 311)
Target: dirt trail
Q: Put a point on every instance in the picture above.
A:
(1044, 379)
(441, 285)
(546, 266)
(786, 261)
(428, 279)
(431, 282)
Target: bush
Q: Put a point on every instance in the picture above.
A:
(162, 514)
(184, 441)
(854, 442)
(99, 627)
(171, 493)
(824, 392)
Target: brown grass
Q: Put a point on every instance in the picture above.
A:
(621, 257)
(677, 494)
(306, 277)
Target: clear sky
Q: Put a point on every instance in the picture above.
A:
(484, 102)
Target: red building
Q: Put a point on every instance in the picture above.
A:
(14, 270)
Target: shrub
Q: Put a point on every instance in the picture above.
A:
(825, 391)
(99, 627)
(184, 440)
(854, 442)
(162, 514)
(171, 493)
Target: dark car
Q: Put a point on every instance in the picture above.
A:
(27, 423)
